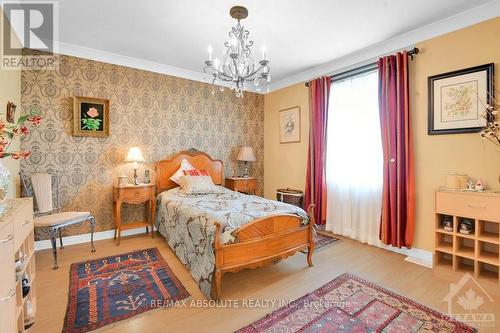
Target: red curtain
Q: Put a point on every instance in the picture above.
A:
(398, 197)
(319, 91)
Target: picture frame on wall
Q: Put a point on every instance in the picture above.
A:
(290, 125)
(457, 100)
(90, 117)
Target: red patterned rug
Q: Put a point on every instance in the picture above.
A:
(351, 304)
(107, 290)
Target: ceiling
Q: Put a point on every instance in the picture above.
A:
(298, 34)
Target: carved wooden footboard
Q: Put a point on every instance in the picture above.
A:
(261, 242)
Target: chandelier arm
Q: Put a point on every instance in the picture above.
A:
(218, 74)
(224, 76)
(254, 72)
(209, 67)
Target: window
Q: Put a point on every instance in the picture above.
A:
(354, 158)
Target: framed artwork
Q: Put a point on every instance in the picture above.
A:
(457, 100)
(290, 125)
(90, 117)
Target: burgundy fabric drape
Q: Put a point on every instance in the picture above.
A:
(398, 197)
(319, 91)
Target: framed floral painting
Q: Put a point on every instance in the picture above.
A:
(90, 117)
(290, 125)
(457, 100)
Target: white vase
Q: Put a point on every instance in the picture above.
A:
(4, 181)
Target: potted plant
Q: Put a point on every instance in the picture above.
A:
(8, 133)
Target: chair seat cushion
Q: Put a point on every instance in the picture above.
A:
(59, 218)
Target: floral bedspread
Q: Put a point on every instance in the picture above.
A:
(187, 222)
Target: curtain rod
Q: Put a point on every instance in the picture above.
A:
(411, 53)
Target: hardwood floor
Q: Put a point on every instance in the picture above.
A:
(287, 280)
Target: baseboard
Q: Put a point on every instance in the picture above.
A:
(420, 257)
(85, 238)
(413, 255)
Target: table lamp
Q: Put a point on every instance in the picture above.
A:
(135, 155)
(246, 155)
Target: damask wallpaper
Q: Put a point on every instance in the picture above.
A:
(159, 113)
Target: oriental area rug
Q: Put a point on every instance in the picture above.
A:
(107, 290)
(321, 241)
(351, 304)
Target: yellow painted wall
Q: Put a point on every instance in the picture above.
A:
(10, 90)
(285, 164)
(437, 155)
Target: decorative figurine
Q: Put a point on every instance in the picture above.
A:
(479, 185)
(470, 186)
(147, 180)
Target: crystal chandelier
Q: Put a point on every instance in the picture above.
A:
(238, 66)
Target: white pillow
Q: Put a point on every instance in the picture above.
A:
(197, 185)
(185, 165)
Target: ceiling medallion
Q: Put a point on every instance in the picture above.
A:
(238, 66)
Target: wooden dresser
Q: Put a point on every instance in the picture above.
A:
(16, 243)
(477, 252)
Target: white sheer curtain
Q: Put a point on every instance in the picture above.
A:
(354, 159)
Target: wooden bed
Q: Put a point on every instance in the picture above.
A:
(259, 242)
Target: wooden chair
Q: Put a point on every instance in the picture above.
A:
(44, 189)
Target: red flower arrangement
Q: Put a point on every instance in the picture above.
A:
(9, 131)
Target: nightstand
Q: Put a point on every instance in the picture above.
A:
(239, 184)
(134, 194)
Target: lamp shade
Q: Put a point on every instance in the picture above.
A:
(134, 155)
(246, 154)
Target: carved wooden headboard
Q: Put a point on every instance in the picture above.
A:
(166, 168)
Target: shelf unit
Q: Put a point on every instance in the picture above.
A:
(28, 269)
(17, 242)
(478, 252)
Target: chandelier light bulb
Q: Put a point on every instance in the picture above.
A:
(210, 51)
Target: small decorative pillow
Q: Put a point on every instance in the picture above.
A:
(196, 172)
(197, 185)
(185, 165)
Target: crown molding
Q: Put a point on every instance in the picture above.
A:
(358, 58)
(407, 40)
(132, 62)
